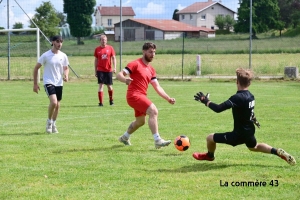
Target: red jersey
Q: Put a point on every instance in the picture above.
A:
(142, 75)
(104, 54)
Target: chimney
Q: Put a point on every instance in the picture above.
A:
(100, 6)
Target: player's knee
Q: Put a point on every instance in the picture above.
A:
(210, 138)
(152, 110)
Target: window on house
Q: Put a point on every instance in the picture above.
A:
(203, 17)
(191, 17)
(221, 15)
(212, 8)
(182, 17)
(212, 27)
(109, 22)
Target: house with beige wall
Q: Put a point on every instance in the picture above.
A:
(203, 14)
(107, 16)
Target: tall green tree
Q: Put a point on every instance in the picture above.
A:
(265, 16)
(79, 17)
(290, 12)
(175, 16)
(46, 19)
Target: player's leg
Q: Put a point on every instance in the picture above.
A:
(211, 147)
(109, 83)
(58, 90)
(100, 87)
(265, 148)
(153, 125)
(139, 121)
(51, 93)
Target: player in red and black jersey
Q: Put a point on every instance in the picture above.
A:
(141, 73)
(242, 104)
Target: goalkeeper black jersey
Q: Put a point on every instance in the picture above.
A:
(242, 104)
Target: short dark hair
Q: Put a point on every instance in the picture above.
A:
(56, 37)
(149, 45)
(244, 76)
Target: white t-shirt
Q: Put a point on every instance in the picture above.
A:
(53, 67)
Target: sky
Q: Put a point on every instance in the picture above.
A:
(22, 10)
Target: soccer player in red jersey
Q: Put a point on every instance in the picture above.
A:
(105, 56)
(141, 73)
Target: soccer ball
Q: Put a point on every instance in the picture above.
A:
(182, 143)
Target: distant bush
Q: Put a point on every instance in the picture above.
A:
(222, 32)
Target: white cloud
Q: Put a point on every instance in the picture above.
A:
(151, 9)
(180, 7)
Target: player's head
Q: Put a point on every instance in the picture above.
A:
(57, 41)
(244, 76)
(149, 49)
(103, 40)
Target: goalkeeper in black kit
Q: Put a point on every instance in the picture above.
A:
(242, 104)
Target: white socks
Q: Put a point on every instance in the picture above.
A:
(156, 136)
(127, 135)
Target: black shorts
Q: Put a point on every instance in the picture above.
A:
(105, 78)
(52, 89)
(234, 139)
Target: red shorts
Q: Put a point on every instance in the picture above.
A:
(140, 103)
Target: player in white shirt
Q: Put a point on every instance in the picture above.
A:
(56, 71)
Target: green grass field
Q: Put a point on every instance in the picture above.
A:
(167, 65)
(86, 161)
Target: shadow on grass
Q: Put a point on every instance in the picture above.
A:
(203, 167)
(25, 134)
(91, 149)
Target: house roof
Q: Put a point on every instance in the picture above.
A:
(114, 11)
(170, 25)
(200, 6)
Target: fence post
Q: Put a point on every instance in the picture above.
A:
(291, 72)
(198, 65)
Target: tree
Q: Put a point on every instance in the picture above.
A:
(226, 22)
(265, 16)
(62, 17)
(79, 17)
(17, 25)
(46, 19)
(229, 22)
(220, 22)
(289, 12)
(175, 16)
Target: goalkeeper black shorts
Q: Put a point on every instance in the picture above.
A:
(234, 139)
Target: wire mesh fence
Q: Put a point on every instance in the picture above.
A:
(175, 57)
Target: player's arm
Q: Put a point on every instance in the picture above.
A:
(213, 106)
(95, 65)
(36, 86)
(161, 92)
(66, 73)
(121, 76)
(114, 61)
(219, 107)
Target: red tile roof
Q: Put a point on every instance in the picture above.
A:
(200, 6)
(115, 11)
(170, 25)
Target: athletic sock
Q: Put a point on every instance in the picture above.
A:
(274, 151)
(156, 136)
(127, 135)
(110, 94)
(100, 97)
(210, 154)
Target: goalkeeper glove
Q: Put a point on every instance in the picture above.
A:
(254, 120)
(202, 98)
